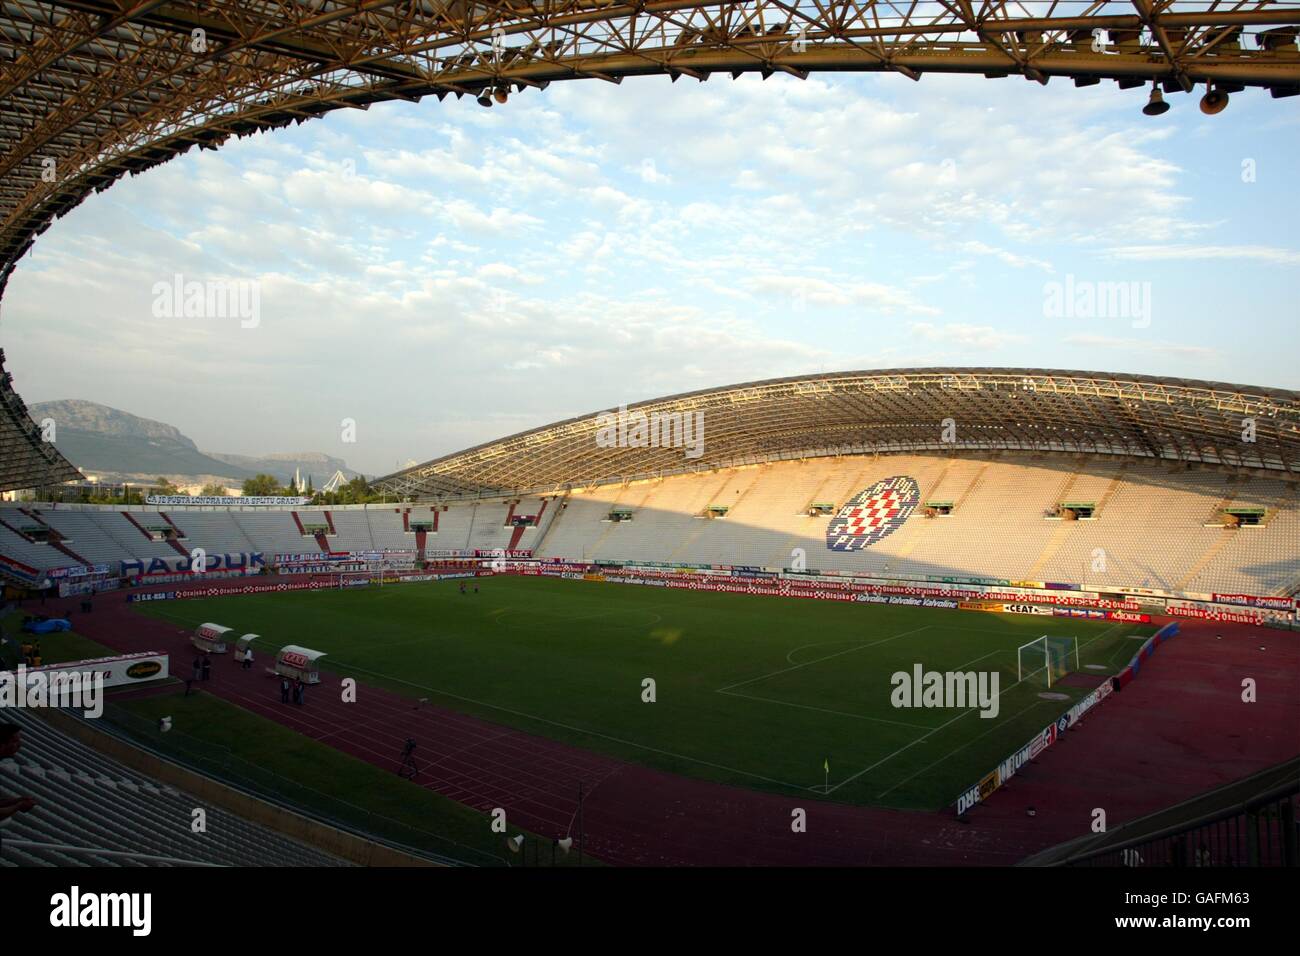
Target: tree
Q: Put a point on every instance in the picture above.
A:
(163, 486)
(261, 485)
(213, 490)
(357, 490)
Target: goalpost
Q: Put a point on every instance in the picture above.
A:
(1050, 656)
(374, 570)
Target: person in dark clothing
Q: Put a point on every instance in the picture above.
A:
(198, 668)
(207, 667)
(284, 690)
(300, 693)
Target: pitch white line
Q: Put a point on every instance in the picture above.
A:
(958, 749)
(818, 660)
(581, 730)
(945, 724)
(823, 710)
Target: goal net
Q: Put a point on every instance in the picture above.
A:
(353, 579)
(1047, 659)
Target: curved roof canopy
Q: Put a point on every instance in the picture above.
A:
(91, 90)
(931, 410)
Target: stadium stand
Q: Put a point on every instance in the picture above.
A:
(33, 554)
(1002, 524)
(1045, 488)
(389, 533)
(214, 530)
(93, 811)
(275, 531)
(352, 532)
(104, 537)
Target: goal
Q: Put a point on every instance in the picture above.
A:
(375, 573)
(1047, 658)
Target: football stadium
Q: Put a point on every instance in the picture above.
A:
(588, 626)
(933, 615)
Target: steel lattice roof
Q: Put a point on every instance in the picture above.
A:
(25, 460)
(899, 410)
(91, 90)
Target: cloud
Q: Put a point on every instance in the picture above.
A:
(446, 274)
(1139, 345)
(967, 336)
(803, 292)
(1269, 254)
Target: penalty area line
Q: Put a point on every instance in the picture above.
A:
(941, 727)
(822, 710)
(818, 660)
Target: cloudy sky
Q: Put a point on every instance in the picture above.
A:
(443, 274)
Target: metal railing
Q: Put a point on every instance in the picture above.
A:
(1259, 831)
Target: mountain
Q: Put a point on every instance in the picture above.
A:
(114, 445)
(117, 446)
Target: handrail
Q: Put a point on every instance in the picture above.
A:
(1275, 795)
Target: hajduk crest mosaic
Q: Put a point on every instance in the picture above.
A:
(873, 514)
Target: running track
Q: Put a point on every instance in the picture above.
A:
(1175, 731)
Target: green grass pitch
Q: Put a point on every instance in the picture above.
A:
(753, 691)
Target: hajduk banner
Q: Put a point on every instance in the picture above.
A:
(242, 561)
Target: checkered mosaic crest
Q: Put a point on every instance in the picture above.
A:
(873, 514)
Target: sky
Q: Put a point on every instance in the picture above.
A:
(431, 276)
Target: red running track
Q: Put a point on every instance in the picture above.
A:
(1178, 729)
